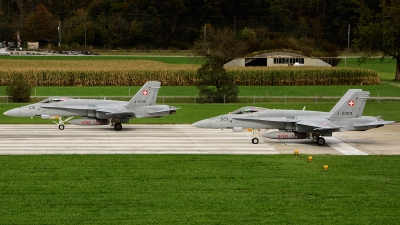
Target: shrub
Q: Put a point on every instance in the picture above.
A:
(19, 89)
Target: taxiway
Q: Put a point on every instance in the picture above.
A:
(183, 139)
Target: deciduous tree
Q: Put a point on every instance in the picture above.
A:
(40, 25)
(379, 33)
(219, 46)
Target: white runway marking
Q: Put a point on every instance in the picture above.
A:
(344, 148)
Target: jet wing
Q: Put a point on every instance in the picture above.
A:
(313, 124)
(319, 124)
(114, 113)
(268, 119)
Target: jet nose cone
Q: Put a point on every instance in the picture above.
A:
(13, 112)
(203, 124)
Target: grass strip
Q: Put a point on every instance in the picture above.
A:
(199, 189)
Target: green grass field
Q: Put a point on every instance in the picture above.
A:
(385, 68)
(199, 189)
(383, 90)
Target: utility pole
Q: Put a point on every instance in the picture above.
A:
(59, 33)
(85, 34)
(348, 39)
(205, 33)
(234, 25)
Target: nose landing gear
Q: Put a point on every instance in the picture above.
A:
(61, 123)
(255, 140)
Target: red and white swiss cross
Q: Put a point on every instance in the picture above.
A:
(351, 103)
(145, 92)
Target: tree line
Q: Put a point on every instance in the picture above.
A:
(177, 24)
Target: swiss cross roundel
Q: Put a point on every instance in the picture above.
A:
(351, 103)
(145, 92)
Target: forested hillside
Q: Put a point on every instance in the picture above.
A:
(176, 24)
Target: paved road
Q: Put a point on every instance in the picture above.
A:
(182, 139)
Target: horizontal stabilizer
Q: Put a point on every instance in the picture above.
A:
(157, 111)
(376, 123)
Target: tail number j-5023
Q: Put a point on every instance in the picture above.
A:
(345, 113)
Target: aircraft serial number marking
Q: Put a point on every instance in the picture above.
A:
(139, 101)
(284, 136)
(224, 118)
(88, 122)
(31, 107)
(345, 113)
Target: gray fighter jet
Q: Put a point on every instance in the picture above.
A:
(98, 112)
(346, 115)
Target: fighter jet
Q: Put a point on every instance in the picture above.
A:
(98, 112)
(346, 115)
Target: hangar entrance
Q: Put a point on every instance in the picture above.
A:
(255, 62)
(289, 61)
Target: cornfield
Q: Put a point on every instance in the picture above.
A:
(137, 72)
(300, 76)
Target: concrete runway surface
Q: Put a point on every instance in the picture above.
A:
(183, 139)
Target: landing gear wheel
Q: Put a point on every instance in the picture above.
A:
(118, 126)
(320, 141)
(61, 126)
(255, 141)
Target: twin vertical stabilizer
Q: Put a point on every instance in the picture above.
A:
(351, 105)
(147, 95)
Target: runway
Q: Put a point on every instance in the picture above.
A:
(182, 139)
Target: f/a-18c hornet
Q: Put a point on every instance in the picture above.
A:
(98, 112)
(346, 115)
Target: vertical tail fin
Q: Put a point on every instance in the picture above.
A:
(147, 95)
(351, 105)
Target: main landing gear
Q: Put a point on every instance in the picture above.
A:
(316, 136)
(320, 141)
(116, 124)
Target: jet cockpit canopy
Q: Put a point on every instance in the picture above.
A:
(247, 109)
(55, 99)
